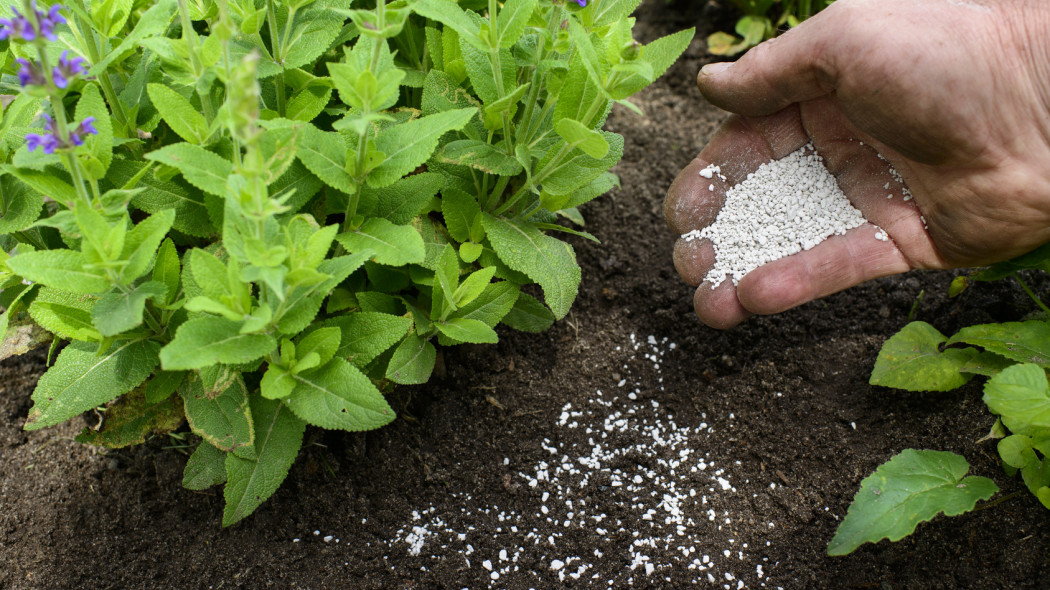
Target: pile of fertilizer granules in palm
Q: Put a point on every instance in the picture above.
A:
(782, 208)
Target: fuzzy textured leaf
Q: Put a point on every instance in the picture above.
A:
(339, 396)
(410, 144)
(81, 379)
(61, 269)
(393, 245)
(546, 260)
(249, 482)
(205, 170)
(210, 340)
(221, 418)
(366, 335)
(205, 468)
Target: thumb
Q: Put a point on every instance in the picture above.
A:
(791, 68)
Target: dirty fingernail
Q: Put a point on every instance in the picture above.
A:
(715, 68)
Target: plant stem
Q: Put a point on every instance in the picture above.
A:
(999, 500)
(193, 44)
(1031, 294)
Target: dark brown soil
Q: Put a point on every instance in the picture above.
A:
(785, 399)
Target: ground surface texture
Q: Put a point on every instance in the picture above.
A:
(591, 456)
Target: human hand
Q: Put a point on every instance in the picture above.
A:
(955, 94)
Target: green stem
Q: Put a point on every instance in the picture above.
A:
(1031, 294)
(86, 35)
(999, 500)
(497, 192)
(193, 44)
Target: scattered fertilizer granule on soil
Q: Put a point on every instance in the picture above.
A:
(625, 494)
(782, 208)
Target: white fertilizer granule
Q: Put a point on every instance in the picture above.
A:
(784, 207)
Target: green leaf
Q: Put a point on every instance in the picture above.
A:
(365, 335)
(162, 385)
(579, 135)
(409, 144)
(473, 286)
(495, 110)
(96, 154)
(61, 269)
(308, 103)
(339, 396)
(205, 468)
(1021, 396)
(276, 383)
(529, 315)
(178, 113)
(64, 314)
(141, 244)
(209, 273)
(152, 22)
(131, 419)
(249, 482)
(913, 487)
(581, 169)
(494, 302)
(45, 183)
(312, 35)
(324, 154)
(1016, 451)
(392, 245)
(81, 379)
(404, 200)
(480, 155)
(412, 362)
(467, 330)
(205, 170)
(210, 340)
(986, 363)
(663, 52)
(323, 341)
(166, 269)
(220, 417)
(546, 260)
(912, 360)
(117, 312)
(511, 21)
(23, 205)
(1024, 342)
(191, 216)
(459, 210)
(452, 16)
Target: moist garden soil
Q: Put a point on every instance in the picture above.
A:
(772, 425)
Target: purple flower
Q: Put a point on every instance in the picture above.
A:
(20, 27)
(46, 141)
(582, 3)
(29, 74)
(67, 68)
(51, 140)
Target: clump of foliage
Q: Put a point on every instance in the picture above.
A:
(254, 215)
(917, 485)
(760, 21)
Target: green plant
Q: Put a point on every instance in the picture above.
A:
(916, 486)
(760, 21)
(262, 214)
